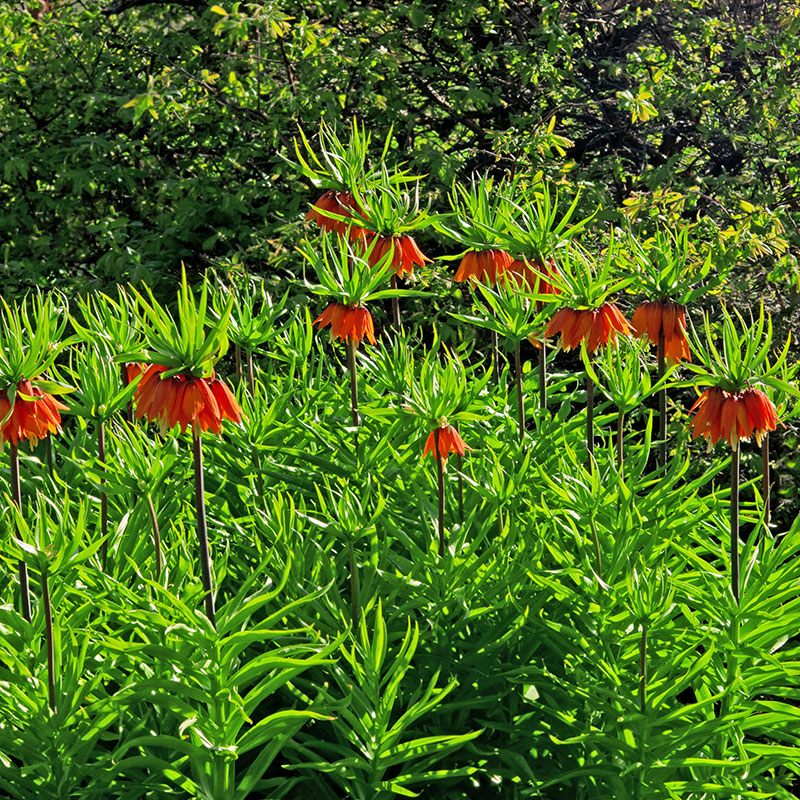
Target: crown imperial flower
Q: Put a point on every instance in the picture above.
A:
(597, 327)
(351, 323)
(733, 416)
(34, 414)
(449, 442)
(484, 265)
(651, 318)
(185, 401)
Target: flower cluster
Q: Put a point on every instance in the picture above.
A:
(347, 322)
(406, 253)
(35, 414)
(651, 318)
(184, 400)
(597, 327)
(733, 416)
(484, 265)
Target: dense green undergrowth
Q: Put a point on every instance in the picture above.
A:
(578, 639)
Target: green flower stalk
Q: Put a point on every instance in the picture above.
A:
(180, 388)
(114, 324)
(345, 275)
(621, 374)
(30, 335)
(670, 274)
(98, 397)
(735, 407)
(534, 234)
(588, 319)
(344, 170)
(444, 394)
(254, 321)
(511, 312)
(56, 541)
(480, 213)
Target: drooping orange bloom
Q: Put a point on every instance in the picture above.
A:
(184, 400)
(449, 442)
(597, 327)
(406, 253)
(484, 265)
(525, 274)
(650, 319)
(347, 322)
(31, 419)
(733, 416)
(341, 203)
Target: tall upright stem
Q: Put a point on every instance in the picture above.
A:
(766, 479)
(16, 496)
(590, 418)
(101, 457)
(48, 455)
(351, 363)
(48, 635)
(202, 529)
(620, 425)
(662, 400)
(440, 477)
(520, 397)
(395, 305)
(156, 534)
(735, 523)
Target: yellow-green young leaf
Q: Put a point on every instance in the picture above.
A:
(748, 208)
(219, 10)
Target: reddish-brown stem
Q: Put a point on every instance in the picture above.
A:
(520, 396)
(202, 529)
(765, 479)
(48, 635)
(101, 457)
(16, 496)
(395, 305)
(662, 400)
(440, 477)
(156, 535)
(48, 455)
(735, 523)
